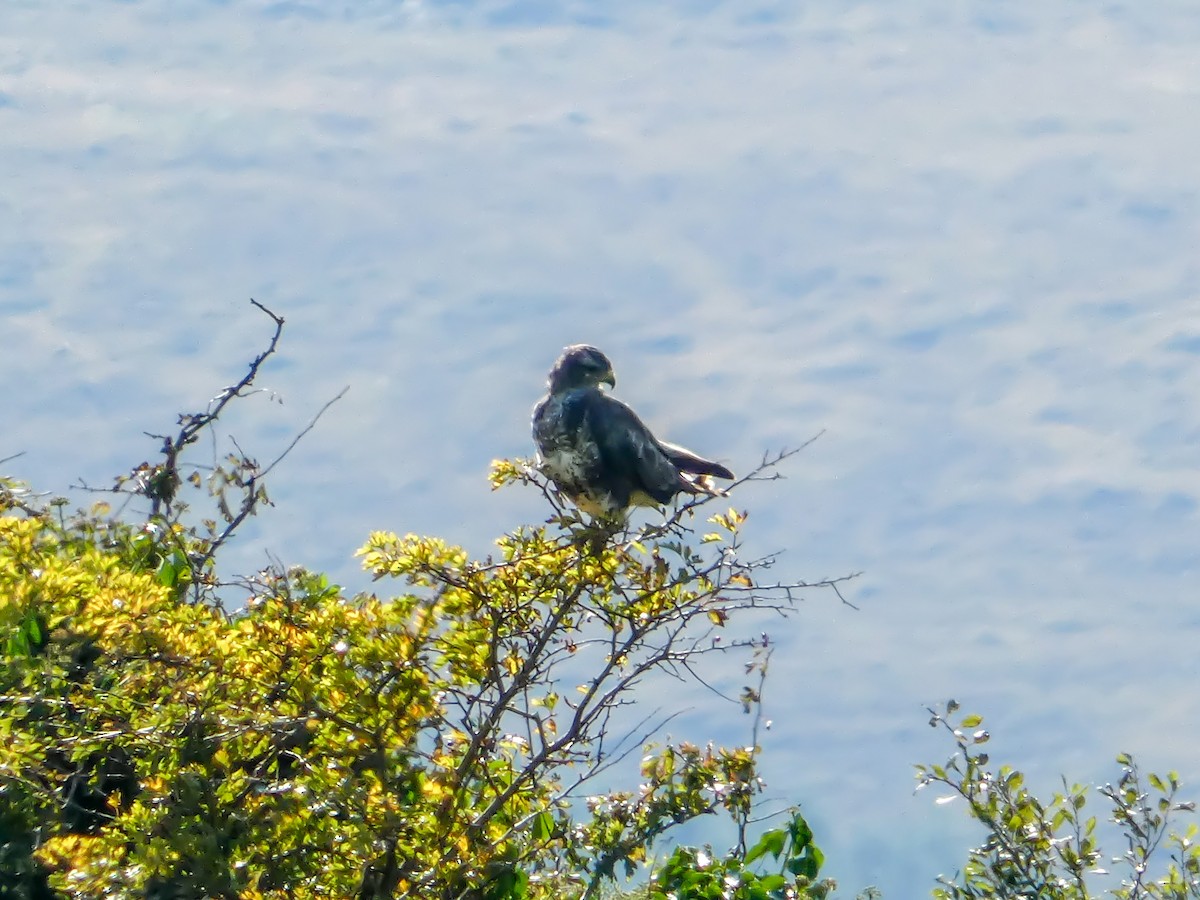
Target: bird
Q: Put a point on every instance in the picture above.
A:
(596, 450)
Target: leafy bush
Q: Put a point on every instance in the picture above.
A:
(316, 744)
(1050, 850)
(435, 741)
(697, 875)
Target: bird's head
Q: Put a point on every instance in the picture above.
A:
(581, 365)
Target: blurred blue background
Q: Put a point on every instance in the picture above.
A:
(961, 238)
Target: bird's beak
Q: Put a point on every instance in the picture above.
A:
(609, 378)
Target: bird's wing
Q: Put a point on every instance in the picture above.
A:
(630, 451)
(687, 461)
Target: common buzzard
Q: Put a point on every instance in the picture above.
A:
(599, 453)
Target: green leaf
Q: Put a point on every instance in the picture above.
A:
(29, 637)
(543, 827)
(771, 842)
(800, 832)
(807, 865)
(166, 573)
(817, 855)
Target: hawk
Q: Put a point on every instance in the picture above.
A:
(599, 453)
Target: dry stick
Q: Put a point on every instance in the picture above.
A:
(192, 424)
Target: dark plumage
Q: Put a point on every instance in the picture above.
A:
(596, 449)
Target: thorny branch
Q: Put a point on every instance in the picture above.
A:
(239, 478)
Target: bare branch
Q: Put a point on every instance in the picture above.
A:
(304, 431)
